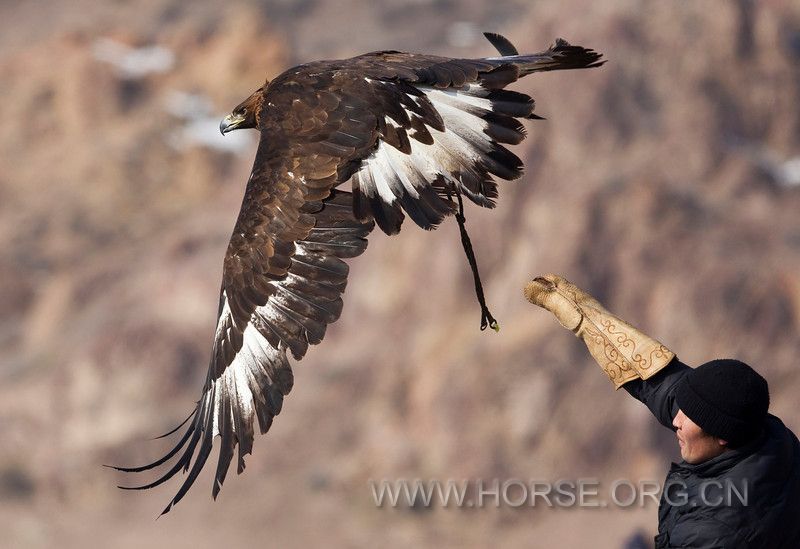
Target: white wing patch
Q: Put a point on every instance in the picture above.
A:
(240, 384)
(454, 149)
(460, 157)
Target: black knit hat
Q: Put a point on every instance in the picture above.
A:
(726, 398)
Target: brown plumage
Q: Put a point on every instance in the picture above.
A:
(408, 132)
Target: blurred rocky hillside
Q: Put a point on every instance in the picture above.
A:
(666, 182)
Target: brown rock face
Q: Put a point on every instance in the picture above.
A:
(666, 183)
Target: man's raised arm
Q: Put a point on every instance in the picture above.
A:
(643, 366)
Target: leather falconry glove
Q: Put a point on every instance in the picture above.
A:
(622, 351)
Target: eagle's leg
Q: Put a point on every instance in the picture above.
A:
(486, 316)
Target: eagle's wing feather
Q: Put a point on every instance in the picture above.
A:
(265, 312)
(442, 127)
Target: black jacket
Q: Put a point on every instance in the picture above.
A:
(745, 497)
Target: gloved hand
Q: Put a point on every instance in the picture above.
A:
(621, 350)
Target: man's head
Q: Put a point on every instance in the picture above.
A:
(696, 445)
(722, 403)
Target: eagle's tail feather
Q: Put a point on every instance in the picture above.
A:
(561, 55)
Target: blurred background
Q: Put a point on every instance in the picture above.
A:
(666, 182)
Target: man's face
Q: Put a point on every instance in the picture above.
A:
(696, 445)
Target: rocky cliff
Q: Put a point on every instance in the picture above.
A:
(666, 182)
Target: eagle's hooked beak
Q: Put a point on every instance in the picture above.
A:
(230, 123)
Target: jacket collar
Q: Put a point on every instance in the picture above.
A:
(723, 462)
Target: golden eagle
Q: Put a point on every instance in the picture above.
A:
(409, 132)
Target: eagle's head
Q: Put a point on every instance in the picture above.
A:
(245, 114)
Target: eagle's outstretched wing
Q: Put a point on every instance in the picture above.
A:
(407, 130)
(283, 306)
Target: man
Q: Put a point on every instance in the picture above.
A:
(738, 484)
